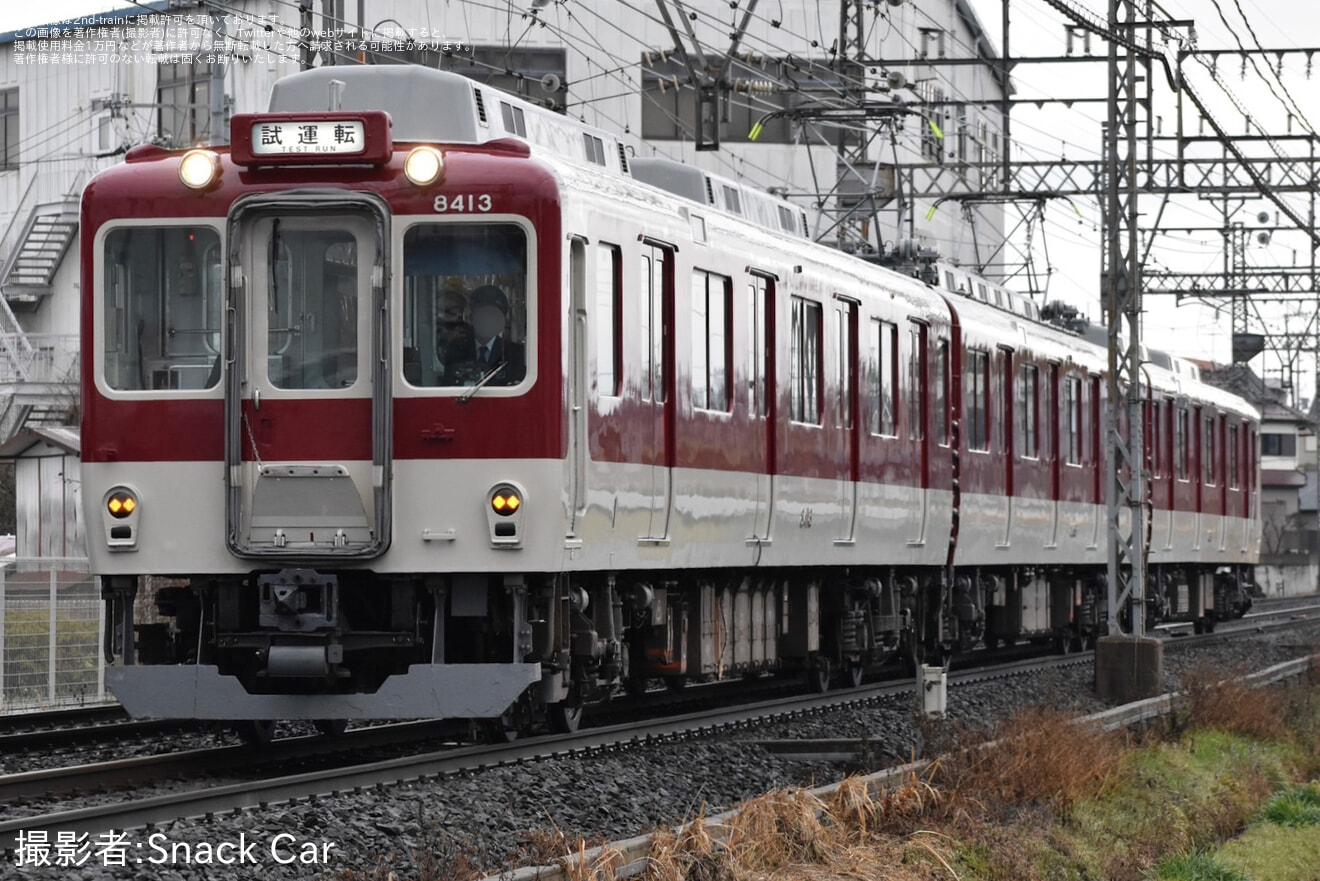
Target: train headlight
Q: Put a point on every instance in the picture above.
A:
(423, 166)
(505, 504)
(198, 169)
(121, 504)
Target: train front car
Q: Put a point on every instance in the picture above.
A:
(321, 366)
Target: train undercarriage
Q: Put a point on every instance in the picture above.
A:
(309, 644)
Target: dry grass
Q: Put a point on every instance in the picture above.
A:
(1043, 757)
(551, 847)
(1217, 698)
(857, 834)
(443, 857)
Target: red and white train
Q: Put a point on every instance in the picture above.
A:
(438, 404)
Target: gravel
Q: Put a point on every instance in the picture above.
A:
(487, 817)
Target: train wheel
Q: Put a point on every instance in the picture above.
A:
(818, 675)
(1198, 626)
(1063, 642)
(255, 732)
(1084, 641)
(856, 672)
(566, 716)
(331, 727)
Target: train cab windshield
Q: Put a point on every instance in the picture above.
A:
(162, 308)
(465, 302)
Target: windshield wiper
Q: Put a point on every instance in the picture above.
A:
(485, 378)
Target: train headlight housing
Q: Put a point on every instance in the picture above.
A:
(198, 169)
(121, 510)
(423, 166)
(505, 504)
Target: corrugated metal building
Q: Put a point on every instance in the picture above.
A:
(49, 521)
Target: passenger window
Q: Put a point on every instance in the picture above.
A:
(162, 308)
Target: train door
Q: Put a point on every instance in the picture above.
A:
(577, 379)
(762, 403)
(845, 320)
(656, 314)
(307, 399)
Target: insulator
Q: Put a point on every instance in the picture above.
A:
(760, 87)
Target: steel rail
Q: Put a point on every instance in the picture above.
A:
(455, 761)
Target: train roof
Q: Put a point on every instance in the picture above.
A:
(438, 106)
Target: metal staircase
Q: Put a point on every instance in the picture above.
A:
(38, 373)
(38, 251)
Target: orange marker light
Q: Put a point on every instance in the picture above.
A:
(121, 504)
(505, 501)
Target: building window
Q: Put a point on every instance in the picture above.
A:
(183, 92)
(1272, 444)
(805, 362)
(609, 324)
(669, 101)
(884, 391)
(932, 118)
(711, 351)
(978, 410)
(1029, 405)
(8, 128)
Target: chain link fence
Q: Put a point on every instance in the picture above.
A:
(51, 628)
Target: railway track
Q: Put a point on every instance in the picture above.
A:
(204, 800)
(449, 760)
(73, 718)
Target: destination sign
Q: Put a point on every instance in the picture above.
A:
(294, 137)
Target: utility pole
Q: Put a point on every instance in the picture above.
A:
(219, 131)
(1128, 666)
(1125, 462)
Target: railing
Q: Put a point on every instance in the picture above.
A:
(46, 358)
(51, 629)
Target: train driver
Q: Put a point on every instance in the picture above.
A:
(469, 359)
(453, 333)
